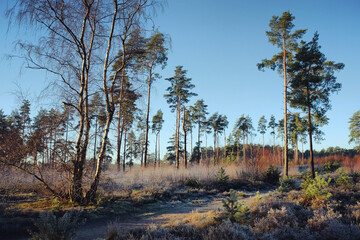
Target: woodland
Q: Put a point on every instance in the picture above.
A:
(85, 170)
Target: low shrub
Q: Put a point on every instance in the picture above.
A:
(316, 188)
(330, 167)
(327, 224)
(287, 183)
(275, 219)
(271, 175)
(221, 176)
(235, 211)
(56, 228)
(191, 182)
(344, 180)
(226, 230)
(201, 220)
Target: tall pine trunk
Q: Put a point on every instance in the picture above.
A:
(124, 154)
(214, 148)
(185, 133)
(199, 154)
(177, 134)
(310, 136)
(147, 122)
(244, 151)
(159, 156)
(286, 167)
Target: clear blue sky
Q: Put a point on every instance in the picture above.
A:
(220, 43)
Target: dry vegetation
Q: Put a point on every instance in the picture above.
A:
(294, 208)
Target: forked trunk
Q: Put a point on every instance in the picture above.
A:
(91, 194)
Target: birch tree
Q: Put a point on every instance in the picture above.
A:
(79, 41)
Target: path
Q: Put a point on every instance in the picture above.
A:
(162, 214)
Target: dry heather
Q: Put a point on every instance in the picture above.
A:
(272, 217)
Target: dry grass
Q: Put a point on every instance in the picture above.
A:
(167, 176)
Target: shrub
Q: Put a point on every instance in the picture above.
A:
(305, 174)
(234, 210)
(221, 176)
(330, 167)
(54, 228)
(316, 188)
(287, 183)
(191, 182)
(272, 175)
(228, 230)
(327, 224)
(344, 180)
(275, 220)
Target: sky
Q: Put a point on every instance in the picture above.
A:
(219, 43)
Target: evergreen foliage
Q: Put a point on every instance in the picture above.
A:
(234, 210)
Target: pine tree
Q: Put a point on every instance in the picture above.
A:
(355, 129)
(313, 82)
(281, 36)
(178, 95)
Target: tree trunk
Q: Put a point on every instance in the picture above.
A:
(142, 155)
(90, 195)
(110, 108)
(119, 138)
(35, 153)
(244, 152)
(191, 143)
(199, 154)
(76, 192)
(184, 130)
(156, 141)
(214, 154)
(177, 144)
(124, 154)
(263, 145)
(310, 138)
(147, 121)
(159, 157)
(95, 142)
(302, 150)
(206, 149)
(286, 168)
(238, 151)
(224, 155)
